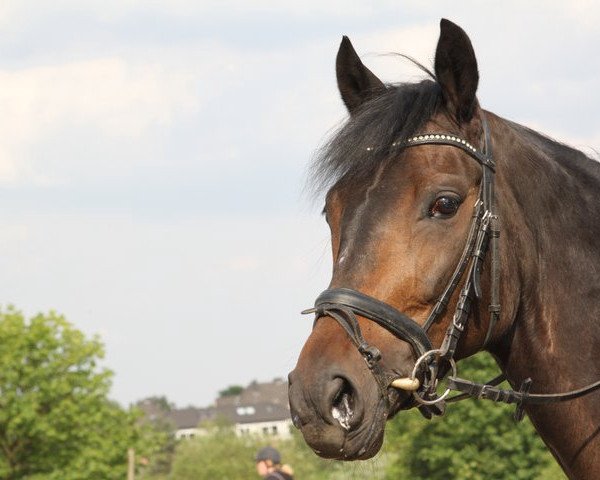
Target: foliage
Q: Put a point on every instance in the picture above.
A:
(231, 391)
(222, 454)
(156, 410)
(160, 403)
(475, 440)
(56, 421)
(218, 455)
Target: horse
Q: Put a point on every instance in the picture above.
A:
(453, 231)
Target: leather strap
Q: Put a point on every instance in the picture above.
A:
(521, 397)
(381, 313)
(488, 392)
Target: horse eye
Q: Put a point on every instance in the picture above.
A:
(444, 207)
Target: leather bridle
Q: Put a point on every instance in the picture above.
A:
(344, 304)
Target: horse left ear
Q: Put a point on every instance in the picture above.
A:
(356, 83)
(456, 71)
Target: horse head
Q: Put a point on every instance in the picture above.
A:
(400, 218)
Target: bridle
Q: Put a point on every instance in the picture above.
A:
(344, 304)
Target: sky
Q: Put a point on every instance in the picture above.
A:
(154, 156)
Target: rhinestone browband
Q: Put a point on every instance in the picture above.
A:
(446, 139)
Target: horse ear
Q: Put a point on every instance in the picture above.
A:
(456, 70)
(356, 82)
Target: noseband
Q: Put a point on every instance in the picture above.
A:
(344, 304)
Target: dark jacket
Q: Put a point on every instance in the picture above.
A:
(277, 475)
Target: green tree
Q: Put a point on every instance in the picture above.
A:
(158, 403)
(55, 417)
(218, 454)
(222, 454)
(231, 391)
(155, 415)
(475, 440)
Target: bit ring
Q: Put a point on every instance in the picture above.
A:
(420, 360)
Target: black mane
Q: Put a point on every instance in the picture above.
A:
(365, 140)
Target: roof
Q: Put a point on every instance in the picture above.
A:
(275, 392)
(258, 402)
(254, 412)
(190, 417)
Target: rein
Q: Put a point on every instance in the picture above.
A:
(344, 304)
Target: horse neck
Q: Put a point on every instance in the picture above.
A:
(547, 200)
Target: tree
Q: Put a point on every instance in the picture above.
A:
(231, 391)
(222, 454)
(56, 420)
(155, 415)
(158, 404)
(218, 455)
(475, 440)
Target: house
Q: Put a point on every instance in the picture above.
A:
(259, 409)
(182, 421)
(187, 420)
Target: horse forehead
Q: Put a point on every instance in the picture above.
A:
(405, 176)
(376, 196)
(372, 210)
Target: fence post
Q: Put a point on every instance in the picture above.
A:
(130, 464)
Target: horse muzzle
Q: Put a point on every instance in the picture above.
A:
(336, 417)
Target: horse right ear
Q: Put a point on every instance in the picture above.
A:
(356, 82)
(456, 71)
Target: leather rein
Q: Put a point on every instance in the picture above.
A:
(344, 304)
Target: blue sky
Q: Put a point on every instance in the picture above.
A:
(153, 157)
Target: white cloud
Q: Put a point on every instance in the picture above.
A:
(417, 41)
(111, 95)
(244, 263)
(585, 13)
(16, 12)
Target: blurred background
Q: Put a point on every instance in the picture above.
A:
(153, 159)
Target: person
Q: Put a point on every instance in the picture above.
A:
(268, 465)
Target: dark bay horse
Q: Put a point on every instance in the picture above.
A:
(405, 227)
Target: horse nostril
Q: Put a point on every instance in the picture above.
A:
(296, 420)
(343, 407)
